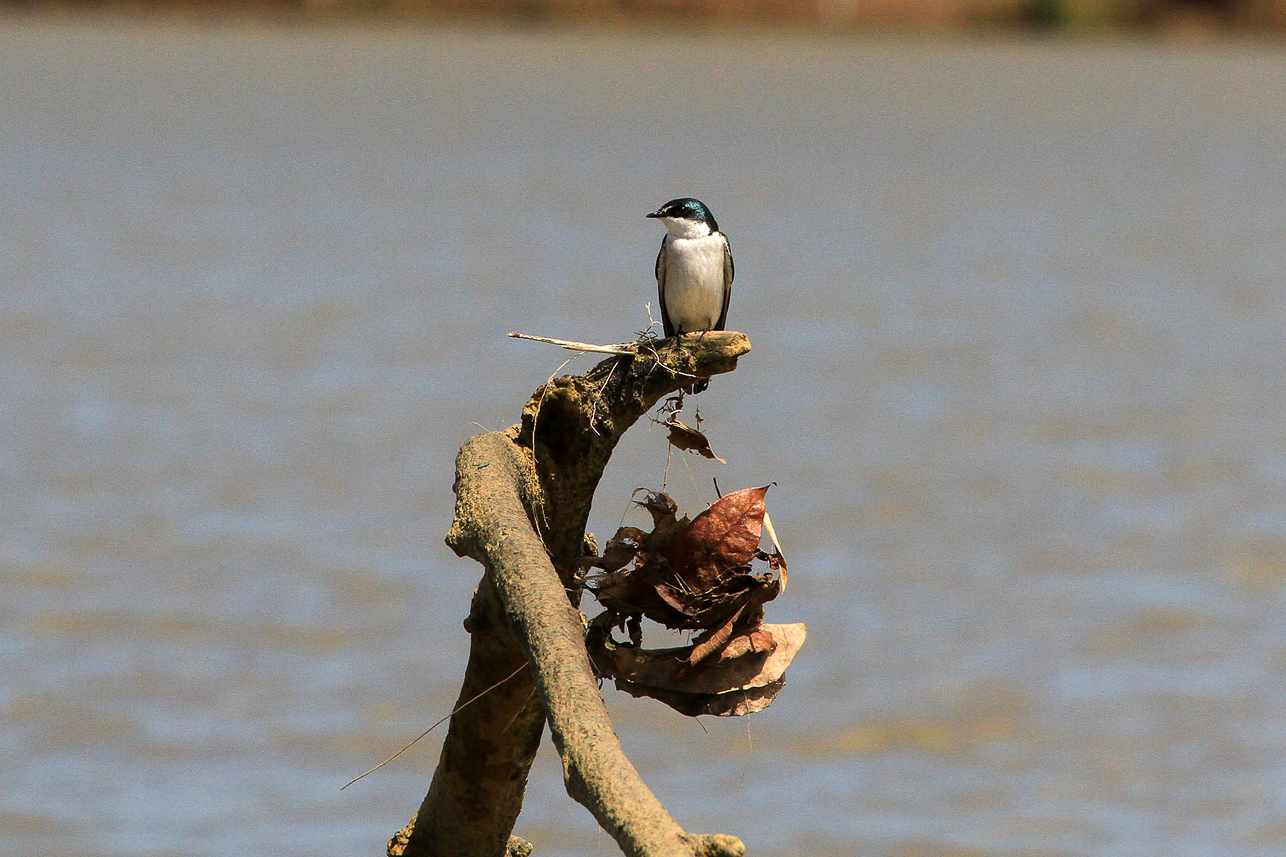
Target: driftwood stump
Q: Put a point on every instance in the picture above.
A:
(523, 498)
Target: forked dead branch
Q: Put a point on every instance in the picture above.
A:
(523, 498)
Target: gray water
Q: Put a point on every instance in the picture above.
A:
(1017, 318)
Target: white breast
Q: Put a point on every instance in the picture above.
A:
(694, 281)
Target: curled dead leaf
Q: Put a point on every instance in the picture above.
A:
(687, 438)
(745, 677)
(621, 549)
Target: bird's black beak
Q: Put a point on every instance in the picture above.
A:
(654, 214)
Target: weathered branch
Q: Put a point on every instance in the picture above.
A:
(523, 499)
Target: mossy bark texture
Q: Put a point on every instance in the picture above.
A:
(523, 497)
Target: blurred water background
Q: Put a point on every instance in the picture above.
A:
(1017, 316)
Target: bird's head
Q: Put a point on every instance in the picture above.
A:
(686, 217)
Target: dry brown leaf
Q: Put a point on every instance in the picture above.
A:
(690, 439)
(715, 639)
(733, 704)
(621, 549)
(744, 678)
(663, 510)
(722, 538)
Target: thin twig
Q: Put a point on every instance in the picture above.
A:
(772, 535)
(626, 349)
(436, 725)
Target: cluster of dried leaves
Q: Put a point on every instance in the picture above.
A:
(695, 575)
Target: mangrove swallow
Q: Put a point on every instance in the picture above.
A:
(693, 269)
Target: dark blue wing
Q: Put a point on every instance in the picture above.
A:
(728, 273)
(660, 288)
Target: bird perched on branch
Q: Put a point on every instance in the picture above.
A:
(693, 269)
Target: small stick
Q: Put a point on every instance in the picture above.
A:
(628, 350)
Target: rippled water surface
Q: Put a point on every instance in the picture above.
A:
(1017, 315)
